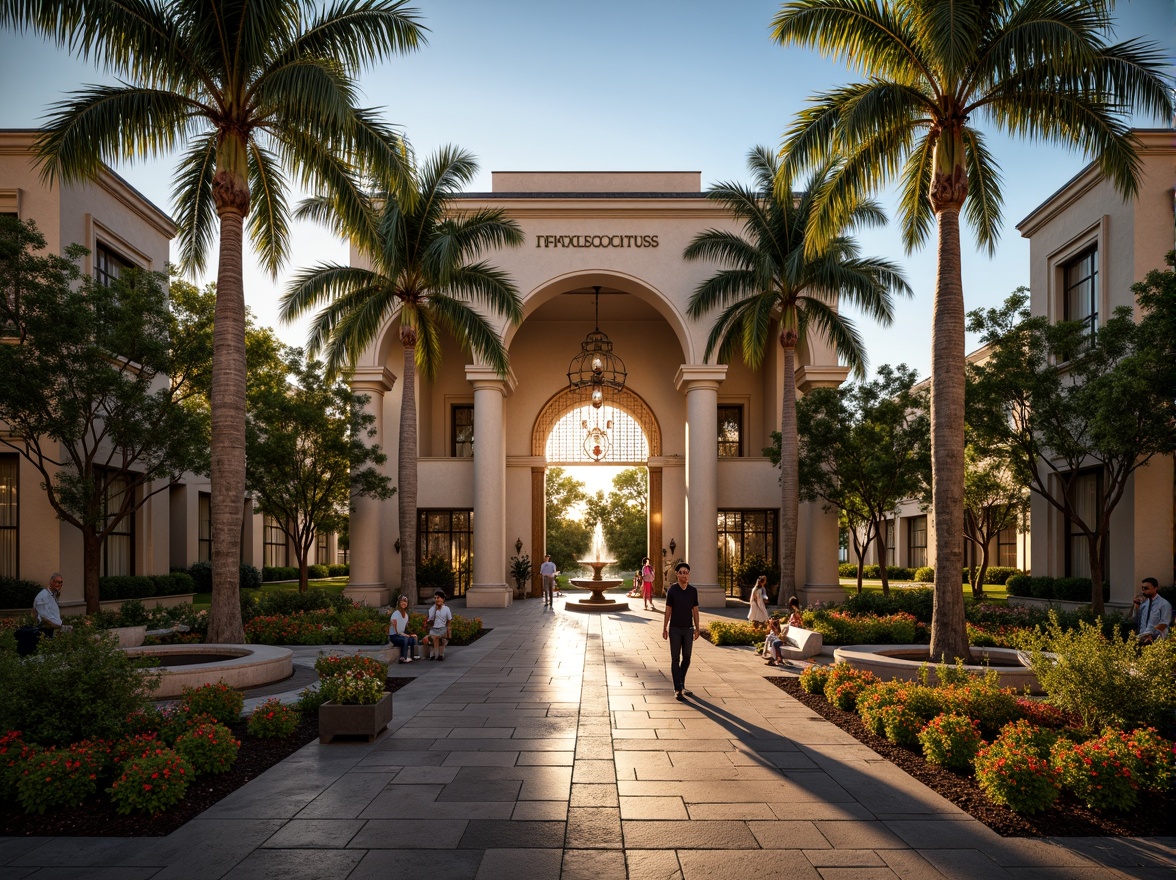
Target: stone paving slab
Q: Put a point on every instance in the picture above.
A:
(553, 746)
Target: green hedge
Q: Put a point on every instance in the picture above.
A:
(201, 572)
(337, 571)
(278, 573)
(999, 575)
(1066, 589)
(17, 593)
(917, 602)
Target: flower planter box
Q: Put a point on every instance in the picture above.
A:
(369, 721)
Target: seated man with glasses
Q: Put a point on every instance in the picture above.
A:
(1151, 613)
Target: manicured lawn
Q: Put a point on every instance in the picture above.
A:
(994, 593)
(331, 585)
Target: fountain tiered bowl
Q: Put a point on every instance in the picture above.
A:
(597, 584)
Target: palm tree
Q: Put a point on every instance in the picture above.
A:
(420, 252)
(772, 275)
(1037, 68)
(250, 92)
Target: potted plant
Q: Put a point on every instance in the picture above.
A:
(520, 571)
(750, 568)
(434, 573)
(356, 705)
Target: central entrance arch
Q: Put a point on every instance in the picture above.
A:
(623, 453)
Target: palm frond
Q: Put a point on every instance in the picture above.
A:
(193, 204)
(915, 212)
(360, 33)
(473, 332)
(268, 210)
(839, 330)
(983, 207)
(486, 285)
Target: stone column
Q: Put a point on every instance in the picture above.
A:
(489, 588)
(367, 583)
(700, 382)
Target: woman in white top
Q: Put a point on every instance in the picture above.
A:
(398, 632)
(758, 612)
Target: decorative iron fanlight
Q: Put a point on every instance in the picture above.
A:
(596, 366)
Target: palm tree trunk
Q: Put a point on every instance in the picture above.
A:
(789, 477)
(406, 469)
(228, 415)
(949, 636)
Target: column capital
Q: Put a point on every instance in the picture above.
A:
(820, 376)
(374, 380)
(487, 378)
(691, 376)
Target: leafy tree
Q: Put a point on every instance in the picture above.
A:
(251, 92)
(996, 498)
(307, 453)
(86, 397)
(933, 70)
(623, 516)
(568, 538)
(774, 280)
(420, 252)
(863, 449)
(1061, 401)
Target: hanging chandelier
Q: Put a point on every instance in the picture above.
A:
(596, 366)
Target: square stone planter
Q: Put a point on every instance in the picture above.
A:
(338, 719)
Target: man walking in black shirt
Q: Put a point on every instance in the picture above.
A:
(680, 626)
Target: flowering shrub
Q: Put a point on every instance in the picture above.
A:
(813, 679)
(1157, 757)
(218, 700)
(144, 720)
(14, 752)
(309, 699)
(151, 783)
(982, 700)
(845, 683)
(177, 720)
(209, 748)
(1103, 773)
(136, 746)
(872, 700)
(352, 687)
(343, 623)
(1040, 713)
(902, 723)
(1015, 769)
(335, 664)
(58, 778)
(363, 632)
(845, 628)
(733, 632)
(274, 720)
(951, 741)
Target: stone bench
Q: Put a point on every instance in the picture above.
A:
(800, 644)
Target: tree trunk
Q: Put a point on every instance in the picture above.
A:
(978, 582)
(883, 556)
(406, 468)
(1097, 570)
(91, 559)
(789, 476)
(949, 635)
(228, 413)
(300, 555)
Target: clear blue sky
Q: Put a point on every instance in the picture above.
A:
(610, 85)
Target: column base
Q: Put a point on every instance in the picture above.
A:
(711, 596)
(368, 594)
(489, 596)
(810, 594)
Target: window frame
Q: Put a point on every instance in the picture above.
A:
(203, 526)
(270, 528)
(727, 561)
(1089, 253)
(109, 263)
(739, 410)
(128, 523)
(458, 446)
(916, 553)
(1070, 535)
(461, 552)
(10, 502)
(1002, 542)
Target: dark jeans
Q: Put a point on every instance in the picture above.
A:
(548, 589)
(406, 644)
(681, 647)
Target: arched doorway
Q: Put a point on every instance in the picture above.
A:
(569, 431)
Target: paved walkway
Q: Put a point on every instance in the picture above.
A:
(553, 747)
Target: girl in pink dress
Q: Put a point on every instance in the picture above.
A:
(647, 584)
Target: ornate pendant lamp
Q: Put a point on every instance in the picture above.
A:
(596, 366)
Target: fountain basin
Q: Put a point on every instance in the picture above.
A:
(904, 662)
(238, 666)
(597, 601)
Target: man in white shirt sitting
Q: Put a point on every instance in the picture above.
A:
(46, 608)
(1151, 613)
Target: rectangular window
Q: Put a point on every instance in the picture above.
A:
(450, 535)
(204, 527)
(1081, 289)
(276, 551)
(730, 431)
(320, 548)
(744, 533)
(1086, 503)
(890, 530)
(461, 431)
(109, 265)
(1006, 547)
(118, 550)
(9, 515)
(917, 542)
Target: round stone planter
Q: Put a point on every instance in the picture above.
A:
(238, 666)
(367, 721)
(904, 662)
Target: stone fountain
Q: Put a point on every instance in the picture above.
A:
(597, 584)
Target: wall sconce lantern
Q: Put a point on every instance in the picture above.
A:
(519, 546)
(397, 545)
(673, 546)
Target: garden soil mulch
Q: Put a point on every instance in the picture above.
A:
(97, 817)
(1155, 817)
